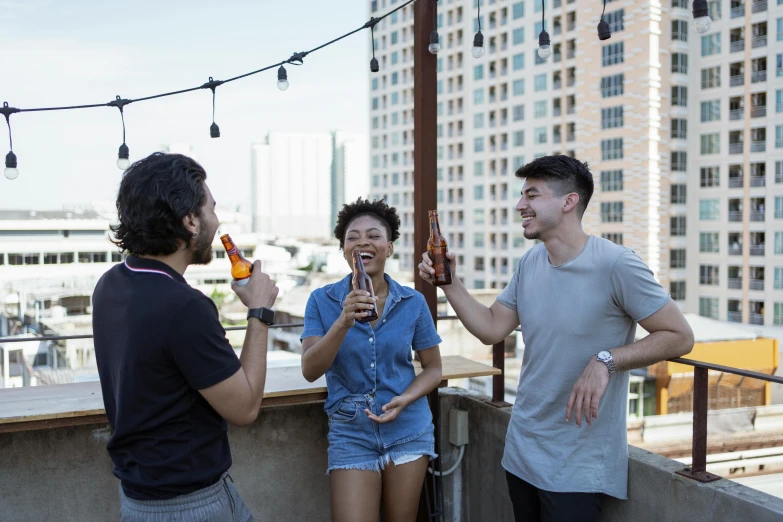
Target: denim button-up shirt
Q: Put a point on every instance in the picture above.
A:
(376, 361)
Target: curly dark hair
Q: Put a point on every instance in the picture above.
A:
(155, 194)
(364, 207)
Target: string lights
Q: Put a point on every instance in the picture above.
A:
(701, 16)
(478, 40)
(604, 32)
(544, 49)
(11, 172)
(701, 24)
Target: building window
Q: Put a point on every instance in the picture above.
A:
(519, 61)
(611, 212)
(778, 207)
(677, 290)
(677, 258)
(679, 161)
(779, 172)
(50, 259)
(710, 177)
(539, 135)
(615, 20)
(519, 36)
(708, 307)
(478, 240)
(478, 144)
(709, 209)
(478, 120)
(116, 257)
(540, 82)
(710, 44)
(708, 243)
(612, 149)
(478, 192)
(612, 117)
(478, 72)
(519, 138)
(778, 242)
(478, 168)
(778, 285)
(92, 257)
(677, 226)
(710, 110)
(710, 143)
(710, 77)
(680, 63)
(612, 54)
(518, 10)
(678, 194)
(612, 85)
(777, 318)
(679, 96)
(679, 129)
(539, 109)
(708, 275)
(478, 216)
(680, 30)
(66, 258)
(518, 87)
(478, 96)
(614, 237)
(611, 180)
(519, 112)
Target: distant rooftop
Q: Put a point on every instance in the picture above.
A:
(21, 215)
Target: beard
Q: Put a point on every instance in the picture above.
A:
(201, 249)
(531, 235)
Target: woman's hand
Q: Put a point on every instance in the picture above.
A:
(390, 410)
(356, 306)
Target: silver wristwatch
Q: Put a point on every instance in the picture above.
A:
(606, 358)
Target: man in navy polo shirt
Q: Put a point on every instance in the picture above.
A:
(169, 376)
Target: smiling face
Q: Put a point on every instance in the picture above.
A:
(541, 210)
(367, 235)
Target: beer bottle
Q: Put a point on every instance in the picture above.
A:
(436, 248)
(240, 267)
(361, 281)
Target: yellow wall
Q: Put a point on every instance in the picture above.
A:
(761, 355)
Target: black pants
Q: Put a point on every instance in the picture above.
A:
(533, 505)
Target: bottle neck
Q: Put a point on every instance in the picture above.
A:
(434, 227)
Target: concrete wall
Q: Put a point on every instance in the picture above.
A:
(655, 492)
(64, 474)
(280, 462)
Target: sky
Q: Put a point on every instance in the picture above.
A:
(88, 51)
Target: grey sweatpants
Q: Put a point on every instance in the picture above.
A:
(219, 502)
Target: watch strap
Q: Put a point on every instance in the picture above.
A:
(265, 315)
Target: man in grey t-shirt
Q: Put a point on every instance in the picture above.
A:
(577, 299)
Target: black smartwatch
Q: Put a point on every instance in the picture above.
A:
(265, 315)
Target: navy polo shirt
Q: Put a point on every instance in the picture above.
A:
(157, 342)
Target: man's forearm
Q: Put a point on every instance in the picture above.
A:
(253, 359)
(656, 347)
(477, 318)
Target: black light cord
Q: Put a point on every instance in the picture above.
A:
(602, 12)
(478, 6)
(295, 59)
(543, 11)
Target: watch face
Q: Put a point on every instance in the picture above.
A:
(604, 355)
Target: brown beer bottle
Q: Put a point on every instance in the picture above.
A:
(240, 267)
(361, 281)
(436, 248)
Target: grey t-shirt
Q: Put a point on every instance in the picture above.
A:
(568, 313)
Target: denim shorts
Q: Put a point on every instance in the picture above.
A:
(354, 442)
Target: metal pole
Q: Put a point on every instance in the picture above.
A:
(698, 467)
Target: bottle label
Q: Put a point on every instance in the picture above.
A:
(241, 282)
(440, 263)
(232, 251)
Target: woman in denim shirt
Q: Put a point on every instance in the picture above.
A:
(381, 436)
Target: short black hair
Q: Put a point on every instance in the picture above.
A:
(364, 207)
(155, 194)
(563, 174)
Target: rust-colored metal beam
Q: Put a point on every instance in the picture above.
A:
(425, 140)
(698, 468)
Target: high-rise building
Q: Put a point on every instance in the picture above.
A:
(624, 105)
(290, 180)
(350, 164)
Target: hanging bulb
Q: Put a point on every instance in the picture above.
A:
(701, 16)
(374, 65)
(122, 157)
(434, 42)
(478, 45)
(604, 33)
(11, 172)
(282, 79)
(214, 130)
(544, 49)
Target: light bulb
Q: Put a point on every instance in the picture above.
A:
(702, 24)
(478, 45)
(11, 172)
(122, 157)
(282, 78)
(544, 52)
(434, 42)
